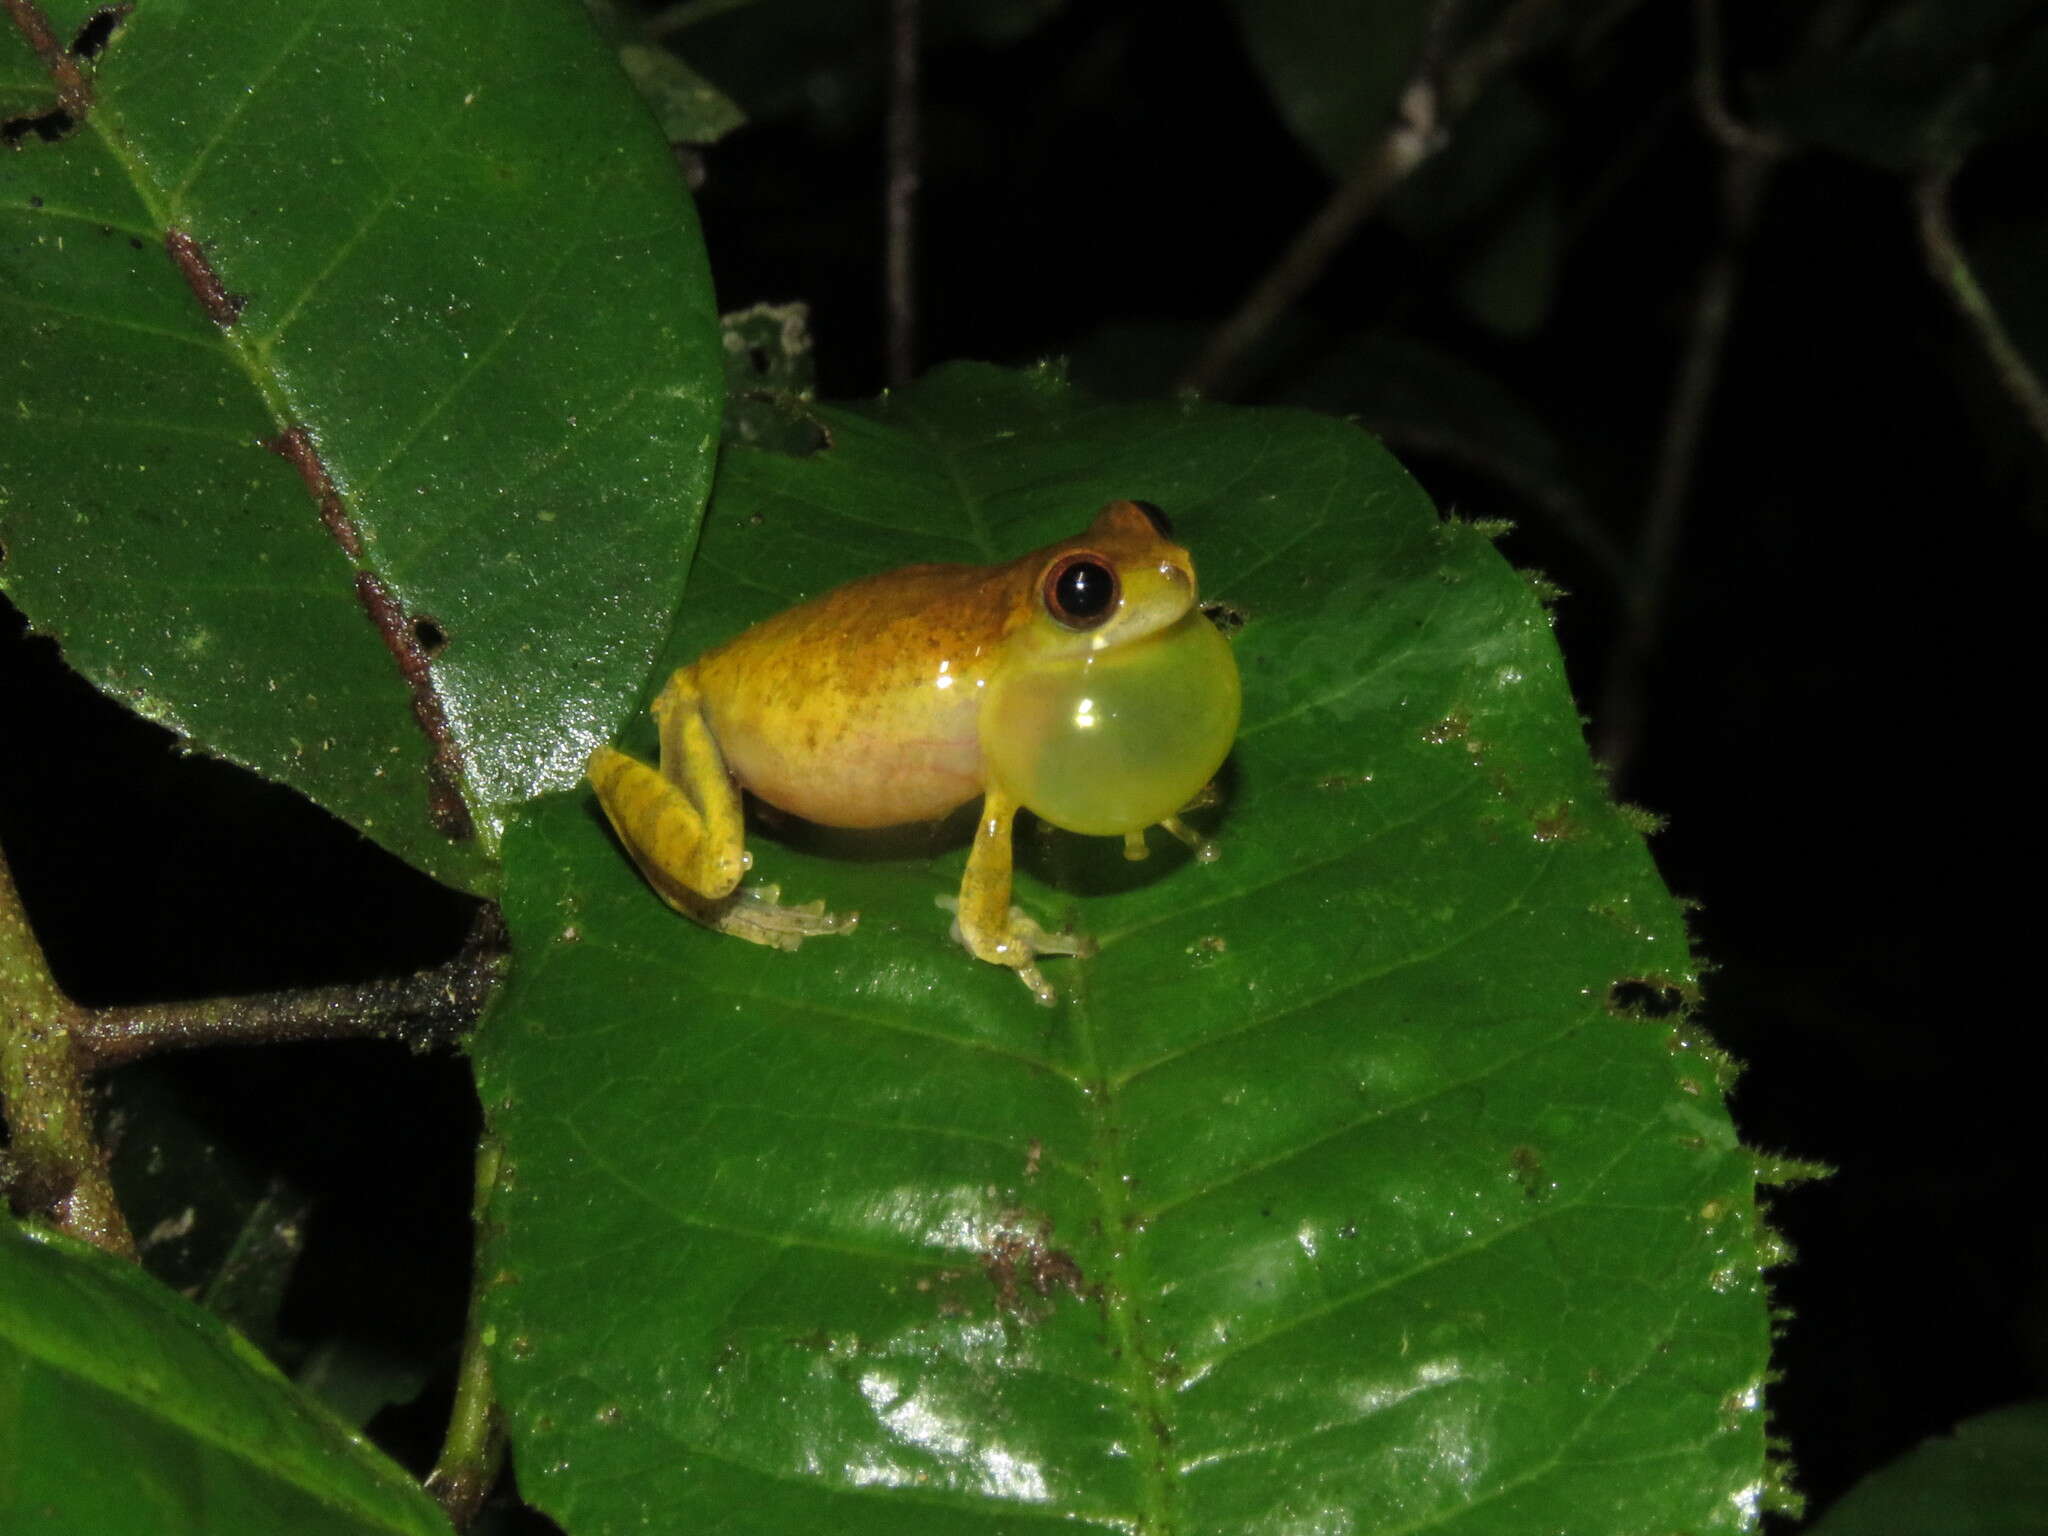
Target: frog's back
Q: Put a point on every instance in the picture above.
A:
(860, 708)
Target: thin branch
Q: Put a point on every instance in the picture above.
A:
(427, 1009)
(53, 1166)
(474, 1447)
(1431, 103)
(680, 18)
(1953, 272)
(1710, 89)
(903, 156)
(1745, 172)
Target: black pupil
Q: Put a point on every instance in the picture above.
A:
(1084, 590)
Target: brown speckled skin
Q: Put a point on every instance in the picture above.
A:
(835, 712)
(832, 711)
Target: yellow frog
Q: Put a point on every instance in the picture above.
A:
(1080, 681)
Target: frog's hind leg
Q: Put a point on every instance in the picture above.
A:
(684, 827)
(986, 923)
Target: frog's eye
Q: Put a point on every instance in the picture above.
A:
(1161, 523)
(1081, 590)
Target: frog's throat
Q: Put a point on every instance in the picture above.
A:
(1118, 739)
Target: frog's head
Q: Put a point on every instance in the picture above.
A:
(1115, 700)
(1122, 579)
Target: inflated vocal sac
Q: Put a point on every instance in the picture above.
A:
(1116, 740)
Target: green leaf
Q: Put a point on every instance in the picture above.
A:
(208, 1224)
(1489, 206)
(1488, 203)
(1335, 72)
(1927, 82)
(1372, 1177)
(441, 264)
(690, 109)
(125, 1408)
(825, 59)
(1416, 393)
(1989, 1478)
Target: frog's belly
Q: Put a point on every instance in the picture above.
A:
(872, 764)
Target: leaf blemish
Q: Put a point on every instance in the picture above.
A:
(1453, 727)
(74, 88)
(1645, 997)
(1228, 618)
(1525, 1167)
(1344, 781)
(98, 30)
(1016, 1258)
(429, 636)
(47, 127)
(296, 446)
(222, 308)
(413, 642)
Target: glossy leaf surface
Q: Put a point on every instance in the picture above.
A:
(130, 1410)
(283, 251)
(1369, 1178)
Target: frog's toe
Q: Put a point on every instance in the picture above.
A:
(1036, 984)
(1024, 929)
(1203, 848)
(1025, 941)
(757, 914)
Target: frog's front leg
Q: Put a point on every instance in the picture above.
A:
(684, 827)
(984, 920)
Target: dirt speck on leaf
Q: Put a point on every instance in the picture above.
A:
(1020, 1257)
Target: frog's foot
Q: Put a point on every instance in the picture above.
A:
(757, 914)
(1204, 849)
(1025, 941)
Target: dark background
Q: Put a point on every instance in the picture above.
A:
(1834, 720)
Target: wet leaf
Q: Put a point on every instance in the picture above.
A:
(279, 251)
(95, 1355)
(1372, 1177)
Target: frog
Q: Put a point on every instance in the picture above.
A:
(1081, 681)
